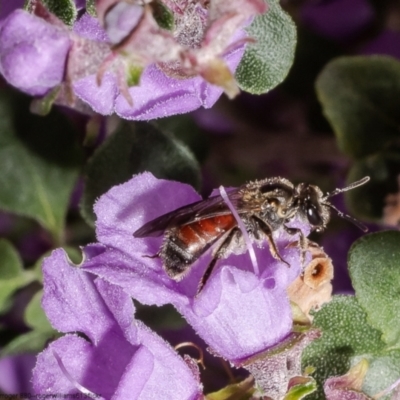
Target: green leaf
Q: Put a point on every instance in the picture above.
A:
(185, 129)
(266, 63)
(40, 162)
(238, 391)
(346, 335)
(374, 265)
(35, 316)
(161, 318)
(30, 342)
(163, 15)
(12, 275)
(367, 202)
(358, 99)
(133, 75)
(306, 386)
(42, 106)
(91, 7)
(383, 371)
(11, 264)
(134, 148)
(63, 9)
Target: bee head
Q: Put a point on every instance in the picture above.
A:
(311, 205)
(316, 207)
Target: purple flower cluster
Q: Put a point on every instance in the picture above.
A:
(123, 61)
(240, 312)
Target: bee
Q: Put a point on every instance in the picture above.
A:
(264, 207)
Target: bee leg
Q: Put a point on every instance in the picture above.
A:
(268, 233)
(302, 242)
(217, 255)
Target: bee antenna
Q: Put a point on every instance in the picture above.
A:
(351, 186)
(349, 218)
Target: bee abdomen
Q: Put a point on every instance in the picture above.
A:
(183, 245)
(176, 258)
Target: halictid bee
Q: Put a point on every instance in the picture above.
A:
(264, 207)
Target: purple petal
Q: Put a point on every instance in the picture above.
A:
(32, 53)
(89, 27)
(178, 381)
(121, 20)
(124, 356)
(71, 301)
(97, 368)
(146, 372)
(101, 98)
(159, 96)
(244, 322)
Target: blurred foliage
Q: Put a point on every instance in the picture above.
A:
(131, 149)
(358, 98)
(40, 162)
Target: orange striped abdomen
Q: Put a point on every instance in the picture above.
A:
(185, 244)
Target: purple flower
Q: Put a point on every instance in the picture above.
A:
(119, 357)
(124, 62)
(238, 313)
(32, 52)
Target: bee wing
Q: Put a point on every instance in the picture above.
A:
(211, 207)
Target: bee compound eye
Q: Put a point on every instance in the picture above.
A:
(313, 216)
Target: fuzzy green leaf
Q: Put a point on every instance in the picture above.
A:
(11, 264)
(346, 335)
(301, 390)
(383, 371)
(134, 148)
(35, 316)
(358, 96)
(374, 264)
(91, 8)
(266, 63)
(30, 342)
(40, 162)
(12, 275)
(163, 15)
(238, 391)
(65, 10)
